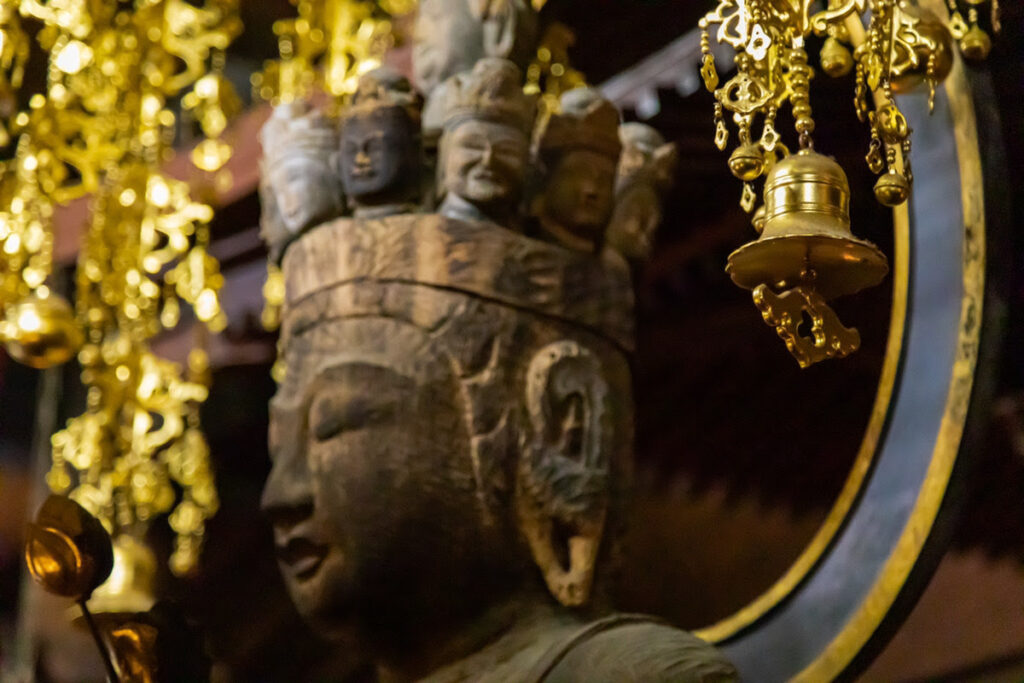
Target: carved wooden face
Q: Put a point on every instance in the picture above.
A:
(305, 192)
(579, 193)
(372, 493)
(448, 40)
(633, 159)
(378, 153)
(485, 163)
(634, 221)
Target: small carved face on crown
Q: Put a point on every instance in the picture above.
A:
(485, 163)
(579, 149)
(644, 151)
(452, 35)
(299, 153)
(579, 193)
(307, 192)
(379, 155)
(635, 220)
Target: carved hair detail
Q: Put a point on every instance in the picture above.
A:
(586, 121)
(384, 88)
(492, 91)
(296, 129)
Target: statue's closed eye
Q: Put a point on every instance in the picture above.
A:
(332, 415)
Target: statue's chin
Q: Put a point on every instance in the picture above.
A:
(486, 193)
(323, 598)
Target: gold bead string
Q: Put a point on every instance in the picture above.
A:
(773, 71)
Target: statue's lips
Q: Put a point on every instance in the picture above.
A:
(302, 557)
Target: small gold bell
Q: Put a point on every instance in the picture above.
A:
(892, 188)
(836, 59)
(806, 238)
(975, 44)
(757, 220)
(40, 331)
(747, 162)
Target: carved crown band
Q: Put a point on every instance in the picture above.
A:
(474, 259)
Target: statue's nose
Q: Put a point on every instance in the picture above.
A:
(288, 494)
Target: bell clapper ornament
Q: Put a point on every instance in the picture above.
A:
(826, 338)
(806, 256)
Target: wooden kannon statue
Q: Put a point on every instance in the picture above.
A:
(452, 438)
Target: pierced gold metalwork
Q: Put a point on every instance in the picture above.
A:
(550, 74)
(103, 126)
(824, 338)
(806, 255)
(349, 38)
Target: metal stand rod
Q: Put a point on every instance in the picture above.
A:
(100, 643)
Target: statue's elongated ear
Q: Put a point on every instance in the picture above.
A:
(562, 490)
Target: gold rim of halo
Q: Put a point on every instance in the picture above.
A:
(855, 634)
(813, 552)
(873, 609)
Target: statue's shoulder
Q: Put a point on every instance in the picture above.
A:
(625, 648)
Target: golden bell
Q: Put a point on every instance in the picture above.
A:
(747, 162)
(836, 59)
(40, 331)
(892, 189)
(975, 44)
(757, 220)
(806, 238)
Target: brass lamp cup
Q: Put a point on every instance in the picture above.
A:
(67, 550)
(806, 238)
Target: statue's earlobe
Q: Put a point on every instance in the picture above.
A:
(562, 483)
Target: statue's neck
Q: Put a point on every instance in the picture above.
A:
(564, 236)
(383, 210)
(505, 639)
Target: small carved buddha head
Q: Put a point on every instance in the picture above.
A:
(452, 433)
(299, 153)
(484, 150)
(380, 146)
(644, 177)
(453, 35)
(578, 151)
